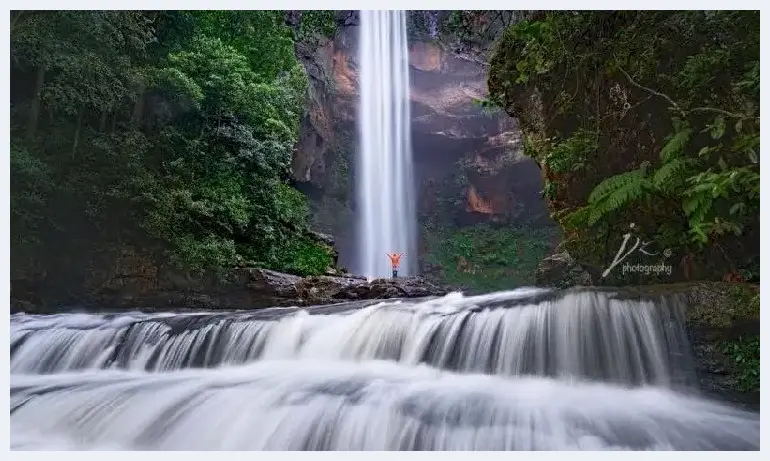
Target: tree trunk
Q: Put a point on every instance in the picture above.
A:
(34, 112)
(103, 122)
(77, 133)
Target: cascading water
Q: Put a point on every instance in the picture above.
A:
(384, 182)
(521, 370)
(584, 334)
(316, 405)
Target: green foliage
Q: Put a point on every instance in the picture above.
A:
(317, 23)
(485, 258)
(418, 26)
(30, 188)
(612, 194)
(77, 50)
(239, 29)
(489, 108)
(169, 130)
(744, 354)
(704, 195)
(572, 153)
(473, 30)
(303, 256)
(589, 67)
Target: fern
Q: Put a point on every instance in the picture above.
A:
(612, 184)
(578, 218)
(670, 174)
(620, 197)
(610, 195)
(697, 206)
(675, 145)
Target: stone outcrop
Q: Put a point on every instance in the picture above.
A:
(284, 289)
(316, 127)
(560, 270)
(241, 288)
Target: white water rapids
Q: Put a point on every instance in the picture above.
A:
(387, 220)
(285, 405)
(521, 370)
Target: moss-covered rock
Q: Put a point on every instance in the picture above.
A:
(602, 94)
(561, 271)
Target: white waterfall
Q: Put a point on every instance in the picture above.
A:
(385, 188)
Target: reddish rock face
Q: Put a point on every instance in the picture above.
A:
(448, 126)
(478, 203)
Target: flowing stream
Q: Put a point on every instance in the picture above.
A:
(527, 369)
(387, 221)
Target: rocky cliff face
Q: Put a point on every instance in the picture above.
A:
(601, 94)
(466, 157)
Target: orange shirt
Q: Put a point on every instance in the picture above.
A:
(395, 258)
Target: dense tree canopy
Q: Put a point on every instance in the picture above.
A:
(169, 130)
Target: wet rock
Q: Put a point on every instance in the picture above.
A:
(323, 289)
(323, 238)
(272, 283)
(250, 288)
(560, 270)
(286, 288)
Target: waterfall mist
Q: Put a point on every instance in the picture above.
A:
(384, 177)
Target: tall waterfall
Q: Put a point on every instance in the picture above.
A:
(384, 180)
(527, 369)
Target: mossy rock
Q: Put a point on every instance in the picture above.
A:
(723, 305)
(710, 305)
(566, 77)
(560, 270)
